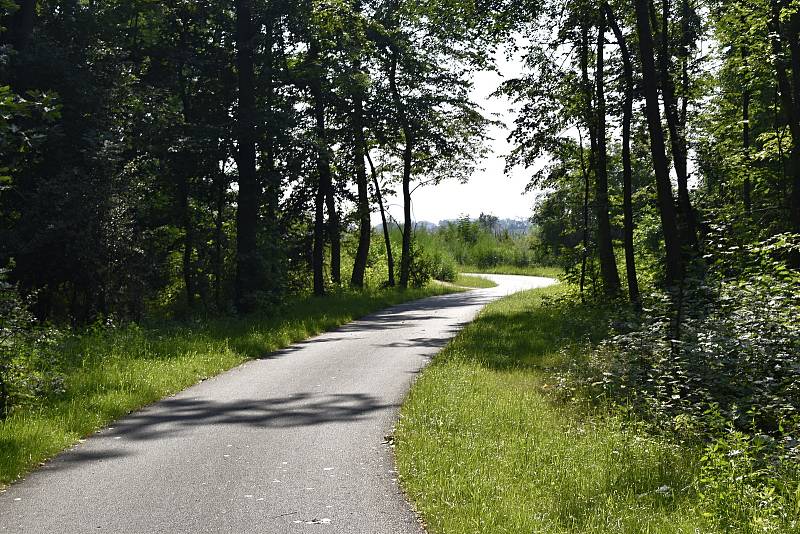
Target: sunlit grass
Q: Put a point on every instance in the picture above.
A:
(483, 447)
(532, 270)
(111, 372)
(464, 280)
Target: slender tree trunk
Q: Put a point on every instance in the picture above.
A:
(686, 220)
(790, 101)
(585, 251)
(684, 57)
(590, 127)
(183, 173)
(746, 189)
(219, 221)
(794, 48)
(405, 262)
(408, 155)
(334, 232)
(627, 171)
(784, 85)
(271, 174)
(4, 396)
(605, 245)
(188, 239)
(324, 174)
(318, 254)
(248, 272)
(365, 228)
(386, 237)
(325, 195)
(672, 238)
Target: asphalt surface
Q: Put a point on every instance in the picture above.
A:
(291, 443)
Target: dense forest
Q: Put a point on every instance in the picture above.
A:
(200, 158)
(221, 155)
(217, 153)
(671, 130)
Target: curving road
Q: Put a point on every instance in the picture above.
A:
(292, 443)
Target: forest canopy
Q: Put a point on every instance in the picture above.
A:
(187, 160)
(211, 154)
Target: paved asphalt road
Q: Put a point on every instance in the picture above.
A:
(291, 443)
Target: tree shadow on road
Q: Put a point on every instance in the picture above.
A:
(174, 416)
(177, 416)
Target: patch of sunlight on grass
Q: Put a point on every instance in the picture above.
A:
(109, 373)
(481, 446)
(532, 270)
(464, 280)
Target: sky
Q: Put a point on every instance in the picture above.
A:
(489, 190)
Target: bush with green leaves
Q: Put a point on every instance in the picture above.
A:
(723, 341)
(715, 363)
(429, 263)
(28, 356)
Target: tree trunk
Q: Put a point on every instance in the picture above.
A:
(248, 275)
(325, 194)
(790, 102)
(794, 48)
(324, 185)
(405, 261)
(386, 237)
(183, 173)
(672, 238)
(219, 221)
(627, 171)
(365, 228)
(586, 89)
(746, 188)
(684, 55)
(318, 254)
(677, 138)
(585, 251)
(334, 232)
(408, 155)
(188, 239)
(605, 246)
(271, 174)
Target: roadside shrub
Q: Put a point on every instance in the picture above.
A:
(443, 267)
(725, 342)
(485, 255)
(28, 357)
(429, 263)
(715, 363)
(421, 268)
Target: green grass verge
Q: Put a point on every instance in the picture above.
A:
(483, 447)
(533, 270)
(464, 280)
(111, 372)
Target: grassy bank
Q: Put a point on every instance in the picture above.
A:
(111, 371)
(532, 270)
(464, 280)
(482, 446)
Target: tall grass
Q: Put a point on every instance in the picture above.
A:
(111, 371)
(464, 280)
(532, 270)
